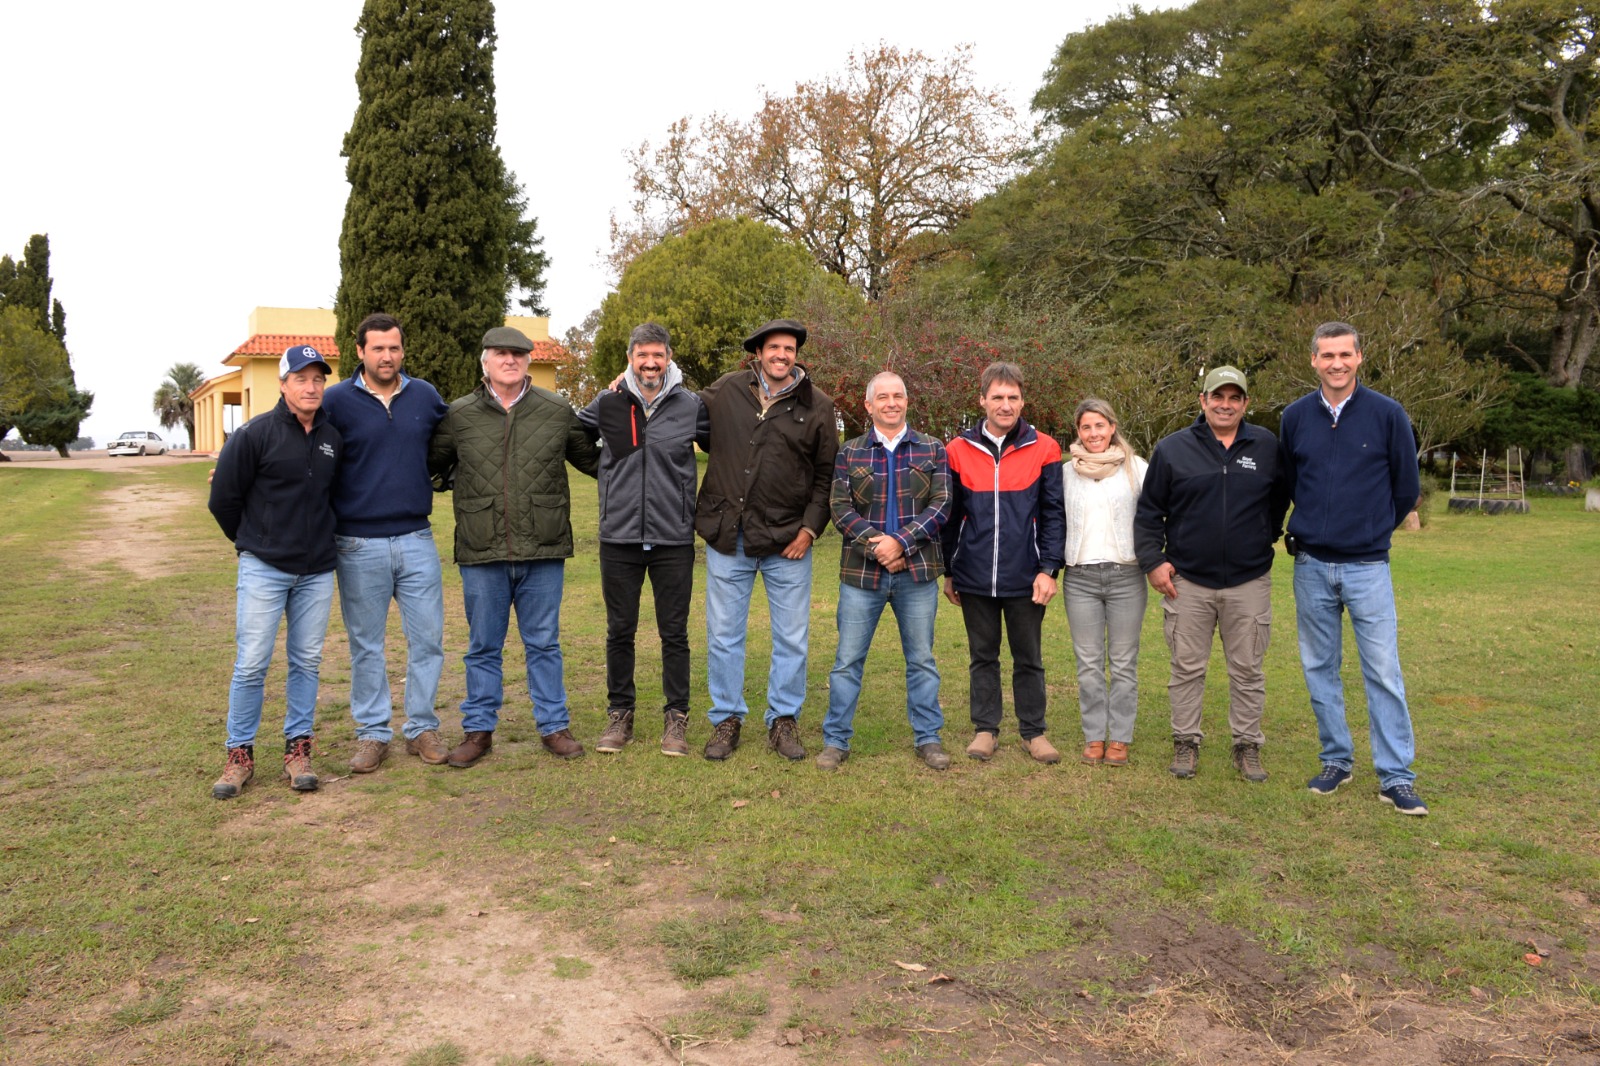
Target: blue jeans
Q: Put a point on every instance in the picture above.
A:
(1105, 611)
(730, 579)
(490, 590)
(1321, 591)
(265, 596)
(372, 571)
(915, 604)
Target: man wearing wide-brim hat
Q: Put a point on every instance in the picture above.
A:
(763, 501)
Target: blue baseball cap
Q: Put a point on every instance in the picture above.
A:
(298, 357)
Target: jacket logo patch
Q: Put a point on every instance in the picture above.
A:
(1247, 462)
(327, 449)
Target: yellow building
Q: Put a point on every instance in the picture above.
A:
(252, 386)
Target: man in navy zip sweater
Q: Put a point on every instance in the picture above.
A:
(1211, 509)
(270, 496)
(1351, 462)
(386, 549)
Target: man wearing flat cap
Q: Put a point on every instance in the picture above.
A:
(763, 501)
(1212, 507)
(272, 496)
(504, 448)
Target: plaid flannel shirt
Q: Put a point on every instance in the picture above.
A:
(922, 493)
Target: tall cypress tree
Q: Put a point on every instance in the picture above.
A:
(51, 417)
(434, 231)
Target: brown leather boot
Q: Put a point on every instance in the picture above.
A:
(473, 747)
(1042, 750)
(1094, 752)
(982, 746)
(236, 774)
(369, 755)
(619, 730)
(675, 733)
(784, 738)
(562, 744)
(724, 739)
(297, 764)
(1116, 753)
(429, 747)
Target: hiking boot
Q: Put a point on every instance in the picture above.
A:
(562, 744)
(369, 755)
(784, 738)
(236, 773)
(1404, 799)
(473, 747)
(724, 739)
(1185, 757)
(982, 746)
(1042, 750)
(933, 755)
(1328, 780)
(618, 732)
(1094, 752)
(831, 757)
(675, 733)
(297, 764)
(1116, 753)
(429, 747)
(1247, 760)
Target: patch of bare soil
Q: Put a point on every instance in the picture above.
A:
(131, 526)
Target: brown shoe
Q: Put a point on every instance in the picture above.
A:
(1094, 752)
(1247, 760)
(1042, 750)
(675, 733)
(1185, 757)
(369, 755)
(429, 747)
(473, 747)
(236, 774)
(1116, 753)
(982, 747)
(724, 739)
(297, 764)
(784, 738)
(562, 744)
(831, 758)
(619, 730)
(933, 755)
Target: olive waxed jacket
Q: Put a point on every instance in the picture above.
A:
(508, 470)
(770, 471)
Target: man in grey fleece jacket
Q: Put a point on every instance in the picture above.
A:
(647, 432)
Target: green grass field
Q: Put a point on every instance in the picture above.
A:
(144, 921)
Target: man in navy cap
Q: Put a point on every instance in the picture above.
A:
(272, 497)
(763, 501)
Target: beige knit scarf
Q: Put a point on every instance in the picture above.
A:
(1096, 465)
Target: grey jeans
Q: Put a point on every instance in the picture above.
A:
(1105, 611)
(1243, 617)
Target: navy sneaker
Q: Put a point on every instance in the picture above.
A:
(1328, 781)
(1404, 799)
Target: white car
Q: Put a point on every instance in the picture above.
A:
(138, 444)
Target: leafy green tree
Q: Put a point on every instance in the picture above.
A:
(172, 404)
(33, 368)
(711, 287)
(50, 415)
(434, 228)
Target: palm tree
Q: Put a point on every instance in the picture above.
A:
(172, 403)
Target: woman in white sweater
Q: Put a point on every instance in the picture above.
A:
(1104, 591)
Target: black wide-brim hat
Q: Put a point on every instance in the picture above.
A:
(752, 343)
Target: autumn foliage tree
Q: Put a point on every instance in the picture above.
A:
(851, 167)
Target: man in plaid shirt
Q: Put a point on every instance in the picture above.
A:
(890, 496)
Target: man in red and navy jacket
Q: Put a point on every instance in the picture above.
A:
(1002, 548)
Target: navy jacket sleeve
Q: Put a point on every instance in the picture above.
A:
(1150, 517)
(1052, 520)
(1404, 478)
(236, 470)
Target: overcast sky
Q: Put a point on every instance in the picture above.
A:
(184, 157)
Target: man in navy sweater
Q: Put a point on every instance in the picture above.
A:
(270, 496)
(1351, 461)
(386, 549)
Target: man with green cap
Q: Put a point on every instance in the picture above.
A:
(1211, 509)
(504, 449)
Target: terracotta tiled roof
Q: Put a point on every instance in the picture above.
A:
(274, 344)
(548, 352)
